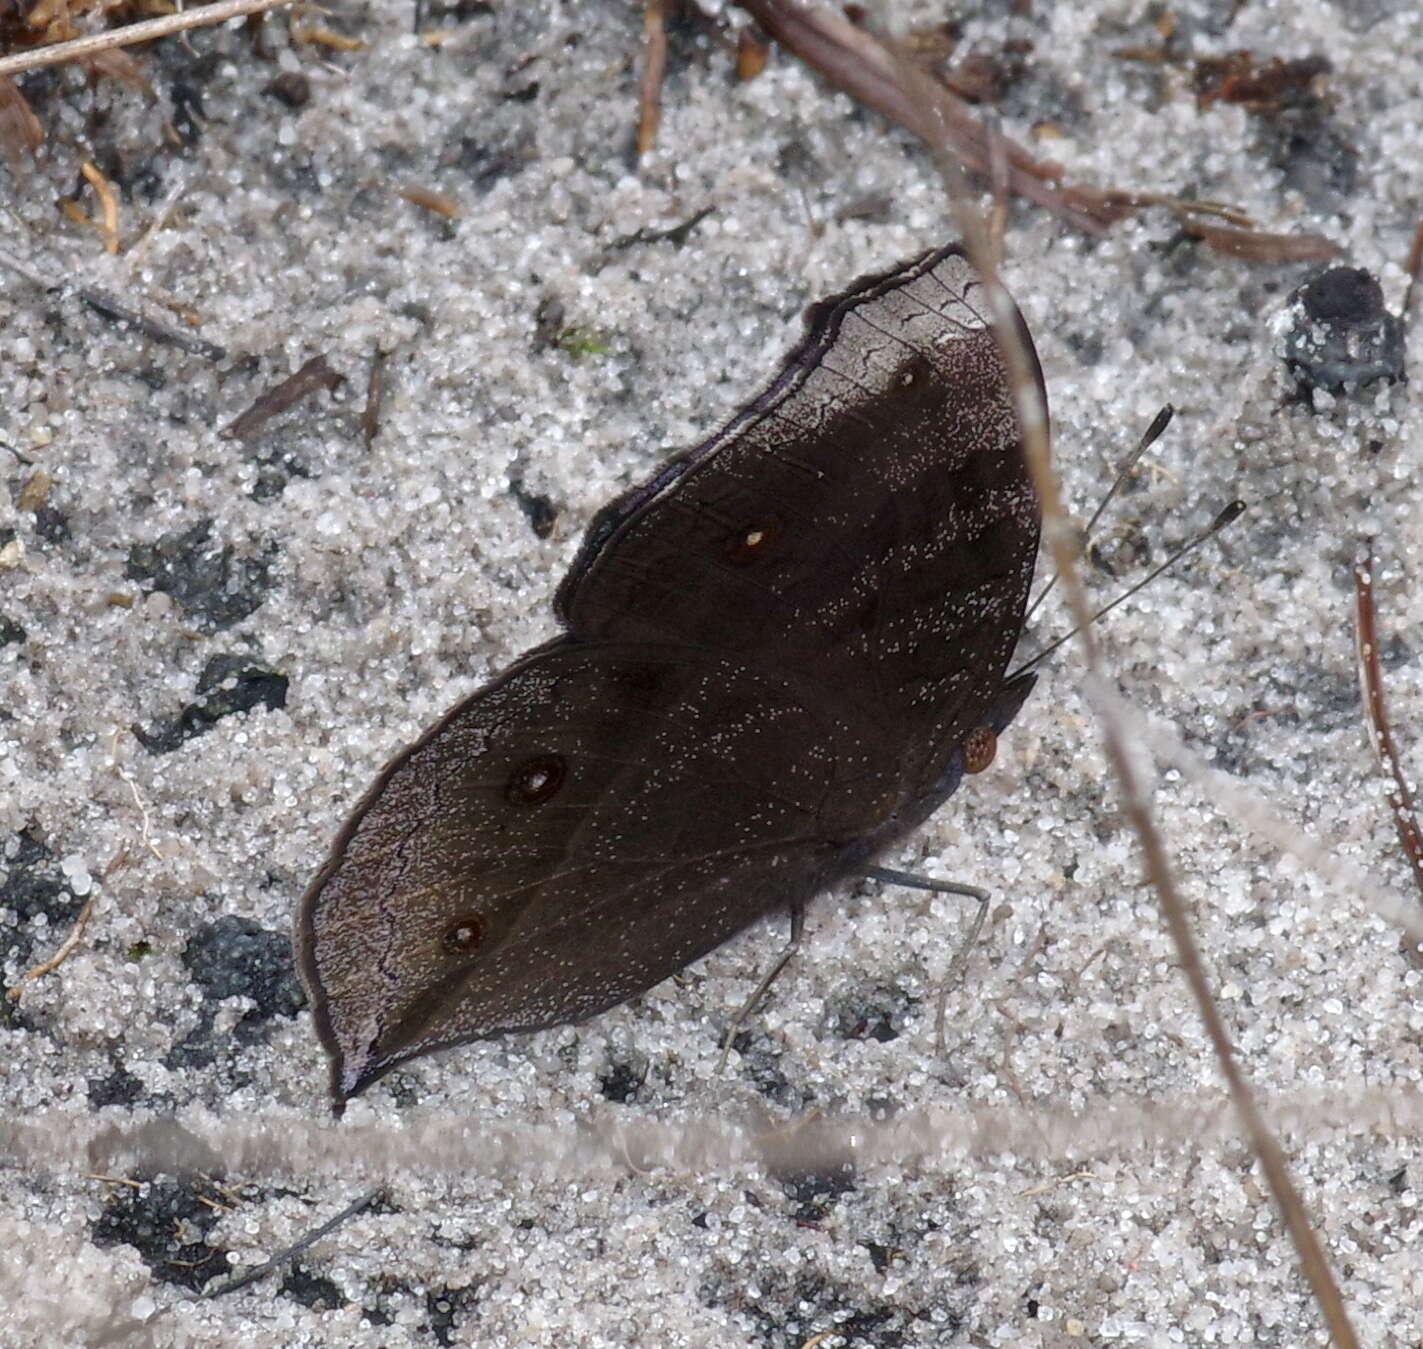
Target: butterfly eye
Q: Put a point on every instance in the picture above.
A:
(535, 781)
(464, 935)
(979, 749)
(753, 541)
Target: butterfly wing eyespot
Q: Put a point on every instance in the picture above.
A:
(915, 374)
(979, 747)
(464, 935)
(754, 541)
(536, 780)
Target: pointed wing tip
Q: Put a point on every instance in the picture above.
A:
(350, 1076)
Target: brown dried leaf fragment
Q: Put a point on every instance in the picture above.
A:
(20, 131)
(441, 203)
(1413, 266)
(326, 37)
(315, 374)
(119, 65)
(375, 397)
(752, 53)
(108, 222)
(1259, 86)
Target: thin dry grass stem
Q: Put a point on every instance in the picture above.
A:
(66, 949)
(1060, 539)
(998, 187)
(1225, 795)
(1056, 1183)
(654, 71)
(1400, 797)
(139, 251)
(24, 269)
(1219, 210)
(951, 976)
(290, 1145)
(127, 779)
(1267, 1149)
(208, 1202)
(109, 308)
(875, 74)
(117, 863)
(145, 31)
(290, 1253)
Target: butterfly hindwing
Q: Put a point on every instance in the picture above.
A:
(571, 835)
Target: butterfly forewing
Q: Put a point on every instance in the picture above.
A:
(866, 523)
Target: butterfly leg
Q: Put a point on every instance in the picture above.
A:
(797, 912)
(912, 882)
(907, 878)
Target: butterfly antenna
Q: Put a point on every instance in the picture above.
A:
(1153, 433)
(1230, 514)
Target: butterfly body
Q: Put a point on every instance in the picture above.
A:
(775, 653)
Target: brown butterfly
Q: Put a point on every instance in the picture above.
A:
(780, 654)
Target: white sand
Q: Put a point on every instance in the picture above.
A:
(406, 574)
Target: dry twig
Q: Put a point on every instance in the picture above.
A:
(654, 71)
(66, 949)
(1135, 796)
(375, 397)
(314, 375)
(875, 74)
(282, 1257)
(107, 307)
(145, 31)
(1400, 798)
